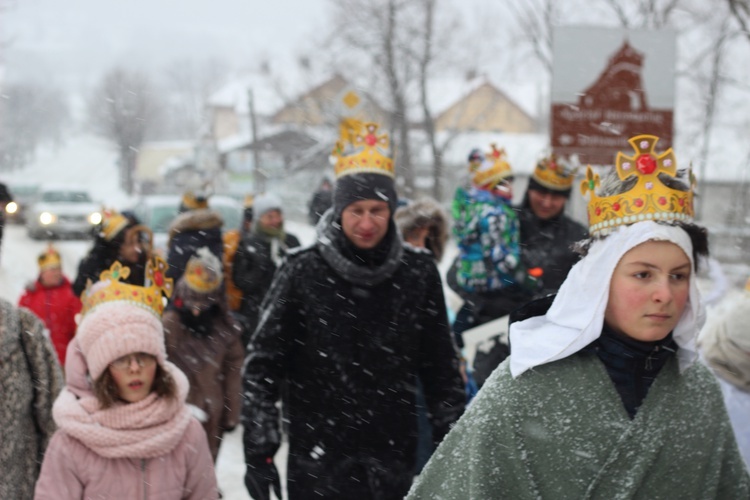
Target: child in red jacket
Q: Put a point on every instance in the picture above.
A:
(51, 298)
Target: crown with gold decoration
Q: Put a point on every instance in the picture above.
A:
(203, 271)
(648, 199)
(110, 289)
(494, 169)
(554, 174)
(112, 223)
(49, 259)
(361, 150)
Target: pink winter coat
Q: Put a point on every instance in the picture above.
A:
(73, 471)
(151, 449)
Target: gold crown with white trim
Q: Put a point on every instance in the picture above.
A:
(109, 288)
(553, 174)
(648, 199)
(368, 151)
(203, 271)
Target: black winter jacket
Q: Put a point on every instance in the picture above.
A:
(252, 273)
(350, 342)
(547, 244)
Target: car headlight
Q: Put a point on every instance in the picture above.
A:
(47, 218)
(11, 207)
(95, 218)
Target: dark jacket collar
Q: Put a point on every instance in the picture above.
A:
(362, 268)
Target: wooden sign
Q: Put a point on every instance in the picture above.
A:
(607, 86)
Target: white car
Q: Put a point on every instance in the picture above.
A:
(157, 212)
(62, 212)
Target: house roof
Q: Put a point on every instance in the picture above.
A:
(329, 94)
(234, 95)
(446, 92)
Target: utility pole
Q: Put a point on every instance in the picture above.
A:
(259, 175)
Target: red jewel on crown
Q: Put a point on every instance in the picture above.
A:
(159, 279)
(646, 164)
(371, 140)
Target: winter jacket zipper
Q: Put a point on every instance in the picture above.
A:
(143, 479)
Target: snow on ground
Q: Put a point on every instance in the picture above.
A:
(89, 162)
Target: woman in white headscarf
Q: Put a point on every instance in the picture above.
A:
(601, 396)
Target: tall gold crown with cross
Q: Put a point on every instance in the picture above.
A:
(360, 149)
(110, 289)
(648, 199)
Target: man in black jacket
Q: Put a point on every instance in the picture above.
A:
(347, 327)
(258, 256)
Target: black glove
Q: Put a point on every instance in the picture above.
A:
(260, 476)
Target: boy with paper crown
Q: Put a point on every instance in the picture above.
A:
(602, 396)
(348, 325)
(547, 239)
(487, 231)
(204, 342)
(51, 298)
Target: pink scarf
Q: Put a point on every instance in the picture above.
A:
(146, 429)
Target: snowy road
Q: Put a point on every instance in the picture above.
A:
(18, 266)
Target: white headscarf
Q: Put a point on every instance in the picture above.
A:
(576, 316)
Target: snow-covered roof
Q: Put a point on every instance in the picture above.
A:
(444, 92)
(234, 95)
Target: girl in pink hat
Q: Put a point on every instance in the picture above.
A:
(124, 430)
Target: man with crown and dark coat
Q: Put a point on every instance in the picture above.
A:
(345, 330)
(547, 239)
(603, 395)
(120, 239)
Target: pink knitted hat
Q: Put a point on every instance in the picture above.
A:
(115, 329)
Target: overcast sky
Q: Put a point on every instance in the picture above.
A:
(66, 39)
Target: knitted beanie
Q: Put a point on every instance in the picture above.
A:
(116, 329)
(363, 186)
(265, 202)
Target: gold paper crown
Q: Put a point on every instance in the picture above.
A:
(248, 201)
(494, 169)
(109, 288)
(203, 271)
(368, 153)
(553, 174)
(49, 259)
(648, 199)
(112, 223)
(193, 201)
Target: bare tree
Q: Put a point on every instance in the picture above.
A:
(379, 33)
(741, 12)
(188, 84)
(30, 114)
(123, 108)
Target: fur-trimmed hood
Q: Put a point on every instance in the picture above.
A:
(195, 220)
(425, 213)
